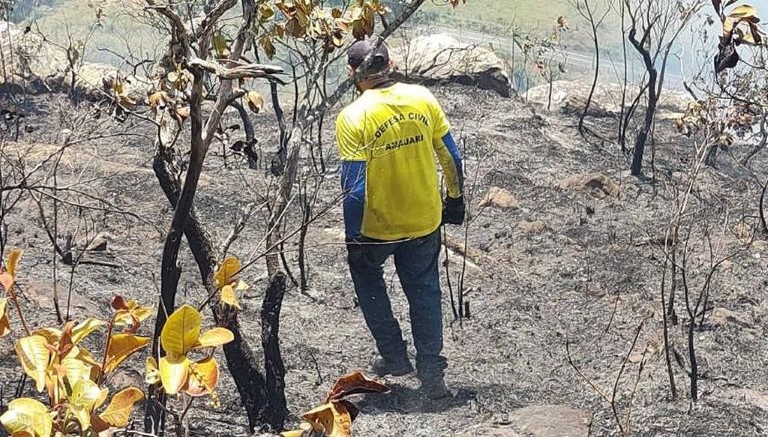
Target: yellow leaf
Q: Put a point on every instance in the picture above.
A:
(255, 104)
(28, 415)
(13, 261)
(5, 324)
(228, 296)
(76, 369)
(181, 331)
(152, 373)
(174, 372)
(132, 314)
(119, 410)
(88, 395)
(85, 328)
(203, 377)
(51, 335)
(226, 272)
(744, 11)
(81, 414)
(215, 337)
(333, 419)
(122, 346)
(34, 357)
(305, 429)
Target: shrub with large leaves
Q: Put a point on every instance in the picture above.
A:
(59, 363)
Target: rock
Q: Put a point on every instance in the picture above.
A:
(552, 421)
(722, 317)
(98, 243)
(604, 185)
(35, 65)
(751, 397)
(499, 198)
(534, 227)
(571, 96)
(742, 231)
(39, 66)
(96, 81)
(490, 431)
(442, 58)
(41, 294)
(760, 246)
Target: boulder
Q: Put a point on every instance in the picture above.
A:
(552, 421)
(442, 58)
(28, 63)
(571, 97)
(96, 81)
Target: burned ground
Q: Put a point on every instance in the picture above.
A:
(559, 266)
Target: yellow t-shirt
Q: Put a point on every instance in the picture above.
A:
(397, 131)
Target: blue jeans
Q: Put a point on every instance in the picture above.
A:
(416, 262)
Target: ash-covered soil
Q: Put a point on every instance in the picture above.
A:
(557, 266)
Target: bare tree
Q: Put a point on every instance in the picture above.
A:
(654, 28)
(595, 19)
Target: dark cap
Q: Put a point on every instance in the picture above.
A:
(361, 49)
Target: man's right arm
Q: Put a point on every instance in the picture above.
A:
(353, 186)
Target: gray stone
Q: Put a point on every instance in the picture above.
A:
(443, 58)
(532, 227)
(723, 316)
(34, 64)
(500, 198)
(599, 183)
(571, 97)
(552, 421)
(751, 397)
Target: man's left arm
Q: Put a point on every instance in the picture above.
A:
(450, 160)
(453, 171)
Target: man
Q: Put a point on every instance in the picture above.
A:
(387, 141)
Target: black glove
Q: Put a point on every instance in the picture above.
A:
(454, 210)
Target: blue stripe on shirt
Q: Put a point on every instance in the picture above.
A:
(353, 185)
(450, 144)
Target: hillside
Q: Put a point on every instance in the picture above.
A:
(556, 266)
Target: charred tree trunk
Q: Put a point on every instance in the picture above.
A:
(241, 361)
(653, 100)
(274, 410)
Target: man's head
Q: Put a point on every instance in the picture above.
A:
(377, 71)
